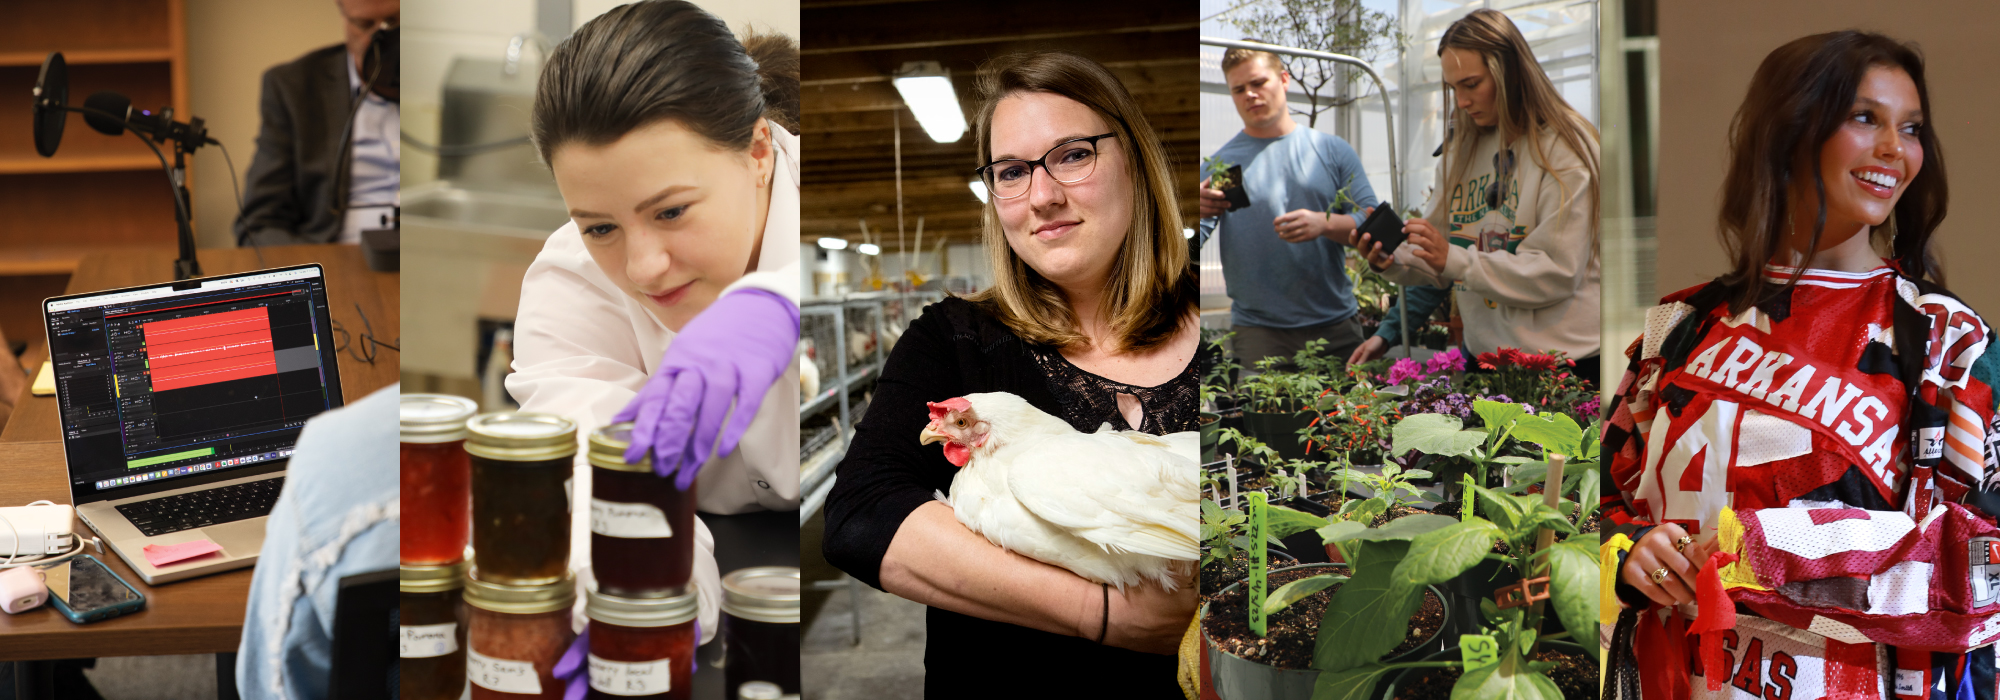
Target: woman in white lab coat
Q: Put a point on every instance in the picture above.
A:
(673, 293)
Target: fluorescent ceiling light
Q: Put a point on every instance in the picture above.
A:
(926, 88)
(978, 190)
(833, 243)
(869, 249)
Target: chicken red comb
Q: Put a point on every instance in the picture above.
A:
(939, 408)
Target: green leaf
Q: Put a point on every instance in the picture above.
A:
(1356, 683)
(1443, 554)
(1436, 434)
(1500, 508)
(1573, 581)
(1210, 511)
(1341, 531)
(1515, 460)
(1511, 679)
(1497, 415)
(1298, 590)
(1415, 474)
(1555, 432)
(1371, 613)
(1406, 527)
(1542, 516)
(1586, 494)
(1284, 522)
(1489, 610)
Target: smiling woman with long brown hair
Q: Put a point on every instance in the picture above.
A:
(1801, 445)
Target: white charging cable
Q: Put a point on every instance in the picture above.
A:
(14, 558)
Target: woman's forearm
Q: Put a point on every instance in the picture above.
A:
(936, 561)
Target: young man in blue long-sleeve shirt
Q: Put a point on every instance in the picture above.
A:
(1283, 256)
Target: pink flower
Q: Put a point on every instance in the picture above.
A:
(1404, 369)
(1451, 360)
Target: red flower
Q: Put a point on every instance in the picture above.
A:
(1512, 356)
(1539, 363)
(1489, 360)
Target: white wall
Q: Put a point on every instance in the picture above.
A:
(230, 45)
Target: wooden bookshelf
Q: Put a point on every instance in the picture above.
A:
(98, 192)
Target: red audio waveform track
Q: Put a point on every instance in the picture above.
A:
(199, 350)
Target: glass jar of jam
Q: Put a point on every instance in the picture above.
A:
(521, 496)
(432, 621)
(641, 527)
(436, 497)
(515, 636)
(760, 627)
(641, 647)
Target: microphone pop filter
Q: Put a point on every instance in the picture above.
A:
(51, 96)
(109, 103)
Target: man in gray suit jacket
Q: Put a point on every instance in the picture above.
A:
(299, 184)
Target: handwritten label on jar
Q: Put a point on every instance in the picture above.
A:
(634, 520)
(502, 675)
(426, 641)
(630, 679)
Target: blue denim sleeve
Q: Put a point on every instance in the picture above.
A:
(1423, 301)
(339, 515)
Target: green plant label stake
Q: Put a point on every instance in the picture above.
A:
(1259, 581)
(1478, 651)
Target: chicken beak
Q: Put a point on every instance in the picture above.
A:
(929, 436)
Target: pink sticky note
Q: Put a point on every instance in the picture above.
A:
(162, 556)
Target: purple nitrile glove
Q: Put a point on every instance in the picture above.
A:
(573, 669)
(731, 352)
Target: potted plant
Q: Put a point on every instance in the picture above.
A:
(1249, 658)
(1228, 178)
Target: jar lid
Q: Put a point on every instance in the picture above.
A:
(759, 690)
(762, 594)
(520, 600)
(433, 418)
(433, 579)
(607, 449)
(639, 612)
(519, 436)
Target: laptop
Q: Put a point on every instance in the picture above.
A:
(180, 404)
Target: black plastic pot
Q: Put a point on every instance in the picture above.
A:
(1279, 430)
(1386, 690)
(1306, 545)
(1210, 424)
(1238, 199)
(1237, 678)
(1477, 584)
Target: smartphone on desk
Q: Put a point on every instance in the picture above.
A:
(84, 590)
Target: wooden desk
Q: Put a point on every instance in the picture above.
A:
(348, 282)
(202, 615)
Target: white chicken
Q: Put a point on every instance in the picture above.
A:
(1115, 507)
(859, 344)
(808, 370)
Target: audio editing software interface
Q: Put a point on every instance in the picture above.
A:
(169, 384)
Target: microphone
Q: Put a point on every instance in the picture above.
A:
(159, 127)
(51, 101)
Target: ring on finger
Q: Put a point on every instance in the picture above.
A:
(1682, 543)
(1659, 575)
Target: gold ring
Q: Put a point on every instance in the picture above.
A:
(1683, 542)
(1659, 575)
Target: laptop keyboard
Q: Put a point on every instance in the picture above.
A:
(187, 511)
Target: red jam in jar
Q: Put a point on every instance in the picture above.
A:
(521, 469)
(432, 619)
(760, 627)
(437, 501)
(516, 634)
(641, 647)
(641, 527)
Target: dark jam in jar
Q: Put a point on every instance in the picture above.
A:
(641, 527)
(436, 493)
(432, 619)
(760, 627)
(641, 647)
(517, 633)
(520, 496)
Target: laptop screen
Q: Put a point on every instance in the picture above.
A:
(180, 384)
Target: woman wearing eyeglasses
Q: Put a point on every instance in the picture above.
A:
(1512, 230)
(1092, 317)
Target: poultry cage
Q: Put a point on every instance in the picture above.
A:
(847, 340)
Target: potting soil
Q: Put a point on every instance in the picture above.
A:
(1575, 674)
(1291, 640)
